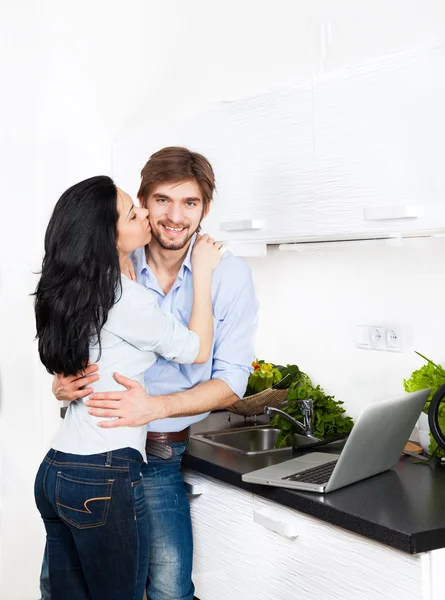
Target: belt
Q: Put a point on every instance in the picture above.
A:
(158, 442)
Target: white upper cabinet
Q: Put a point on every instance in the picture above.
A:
(358, 153)
(379, 134)
(268, 184)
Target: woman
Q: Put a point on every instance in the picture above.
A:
(88, 486)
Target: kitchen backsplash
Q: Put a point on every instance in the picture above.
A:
(311, 302)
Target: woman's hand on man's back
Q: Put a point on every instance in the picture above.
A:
(206, 253)
(74, 387)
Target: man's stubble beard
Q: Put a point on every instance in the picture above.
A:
(172, 244)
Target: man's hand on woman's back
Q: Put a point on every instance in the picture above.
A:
(73, 387)
(132, 408)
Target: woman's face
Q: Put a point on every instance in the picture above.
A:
(133, 228)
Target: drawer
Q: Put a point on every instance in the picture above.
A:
(298, 556)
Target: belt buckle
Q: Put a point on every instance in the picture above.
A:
(158, 449)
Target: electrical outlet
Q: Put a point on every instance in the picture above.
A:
(393, 340)
(378, 337)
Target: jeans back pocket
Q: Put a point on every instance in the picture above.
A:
(83, 503)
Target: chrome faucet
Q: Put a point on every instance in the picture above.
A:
(307, 409)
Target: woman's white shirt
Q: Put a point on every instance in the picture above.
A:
(136, 332)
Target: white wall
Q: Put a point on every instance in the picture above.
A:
(319, 297)
(21, 50)
(78, 75)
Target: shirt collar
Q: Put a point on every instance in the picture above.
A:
(188, 257)
(140, 260)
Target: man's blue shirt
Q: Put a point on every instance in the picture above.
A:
(235, 311)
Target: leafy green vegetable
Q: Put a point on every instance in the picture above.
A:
(329, 419)
(429, 376)
(293, 371)
(266, 375)
(328, 412)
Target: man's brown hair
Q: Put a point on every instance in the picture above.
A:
(177, 164)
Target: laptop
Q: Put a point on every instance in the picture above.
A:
(373, 446)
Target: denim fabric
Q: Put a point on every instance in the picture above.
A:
(96, 521)
(170, 540)
(45, 590)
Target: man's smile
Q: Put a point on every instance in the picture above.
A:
(173, 230)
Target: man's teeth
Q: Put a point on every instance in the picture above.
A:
(173, 228)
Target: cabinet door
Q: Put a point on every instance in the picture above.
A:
(223, 560)
(268, 167)
(379, 134)
(308, 558)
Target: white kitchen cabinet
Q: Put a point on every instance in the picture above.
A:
(353, 154)
(325, 561)
(379, 132)
(265, 171)
(251, 548)
(223, 562)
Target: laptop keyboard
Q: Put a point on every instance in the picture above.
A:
(320, 474)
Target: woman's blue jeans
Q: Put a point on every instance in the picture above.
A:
(170, 545)
(97, 527)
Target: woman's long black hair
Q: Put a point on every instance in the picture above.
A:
(80, 277)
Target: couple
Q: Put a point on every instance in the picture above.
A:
(94, 470)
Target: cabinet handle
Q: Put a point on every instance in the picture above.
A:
(269, 519)
(248, 225)
(194, 489)
(247, 248)
(392, 213)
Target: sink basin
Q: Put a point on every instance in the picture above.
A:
(256, 440)
(246, 440)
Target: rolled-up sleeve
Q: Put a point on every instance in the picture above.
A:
(137, 319)
(236, 329)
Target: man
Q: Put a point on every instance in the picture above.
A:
(177, 187)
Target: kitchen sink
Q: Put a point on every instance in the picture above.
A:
(246, 440)
(256, 440)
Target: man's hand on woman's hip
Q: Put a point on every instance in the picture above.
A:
(131, 408)
(73, 387)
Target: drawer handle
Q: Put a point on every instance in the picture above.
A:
(194, 489)
(393, 213)
(248, 225)
(269, 519)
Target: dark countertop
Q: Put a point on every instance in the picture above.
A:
(403, 508)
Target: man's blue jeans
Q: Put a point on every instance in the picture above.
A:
(170, 531)
(96, 521)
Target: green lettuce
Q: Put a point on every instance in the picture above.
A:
(429, 376)
(329, 419)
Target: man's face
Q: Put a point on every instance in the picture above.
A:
(175, 212)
